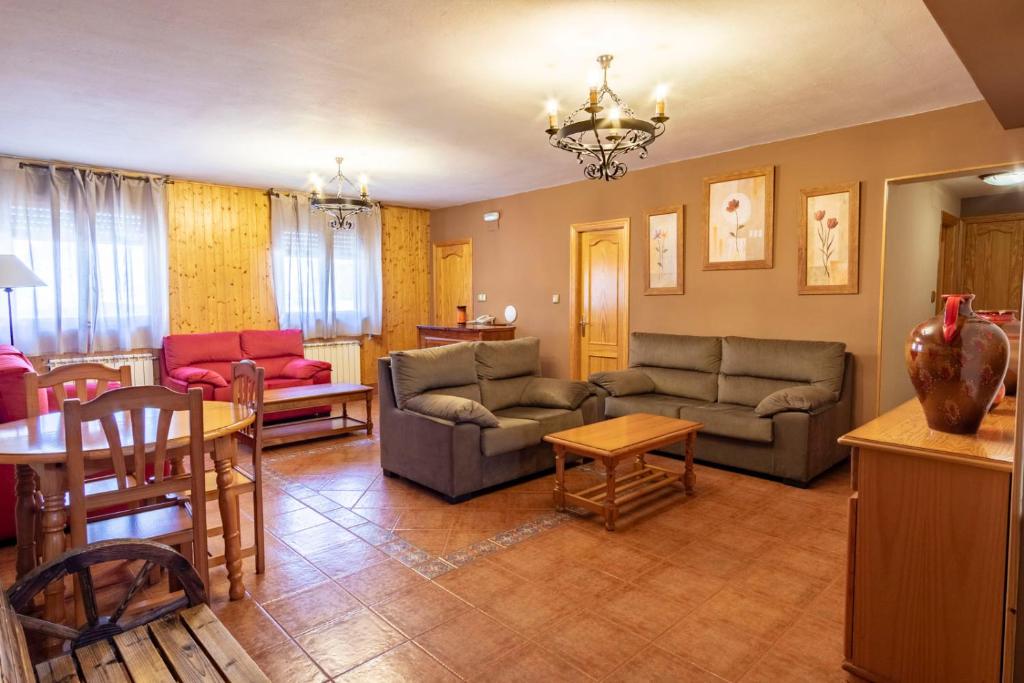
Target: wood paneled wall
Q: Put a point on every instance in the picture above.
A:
(219, 258)
(220, 277)
(405, 245)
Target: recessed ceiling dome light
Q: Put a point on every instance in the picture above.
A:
(1006, 178)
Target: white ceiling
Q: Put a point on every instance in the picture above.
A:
(441, 102)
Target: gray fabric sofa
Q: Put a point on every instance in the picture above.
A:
(774, 407)
(462, 418)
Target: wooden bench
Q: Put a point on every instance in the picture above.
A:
(178, 639)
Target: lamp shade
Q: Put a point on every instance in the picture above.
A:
(14, 273)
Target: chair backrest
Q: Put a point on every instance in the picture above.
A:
(145, 414)
(78, 375)
(247, 383)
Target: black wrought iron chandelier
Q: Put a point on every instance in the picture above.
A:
(604, 140)
(341, 208)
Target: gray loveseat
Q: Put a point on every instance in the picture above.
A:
(770, 406)
(464, 417)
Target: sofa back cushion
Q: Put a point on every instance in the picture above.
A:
(754, 368)
(678, 364)
(504, 368)
(271, 343)
(213, 351)
(420, 370)
(505, 359)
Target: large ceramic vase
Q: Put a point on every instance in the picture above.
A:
(1010, 324)
(957, 361)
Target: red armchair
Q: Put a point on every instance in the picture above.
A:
(204, 361)
(13, 366)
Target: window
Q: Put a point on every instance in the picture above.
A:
(327, 282)
(102, 255)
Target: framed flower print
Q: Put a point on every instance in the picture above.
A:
(665, 251)
(827, 259)
(739, 212)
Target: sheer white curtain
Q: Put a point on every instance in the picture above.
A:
(327, 282)
(99, 242)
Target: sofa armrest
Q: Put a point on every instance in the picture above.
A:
(548, 392)
(303, 368)
(624, 382)
(806, 442)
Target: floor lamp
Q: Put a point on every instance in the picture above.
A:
(14, 273)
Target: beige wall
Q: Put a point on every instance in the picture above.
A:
(526, 260)
(913, 222)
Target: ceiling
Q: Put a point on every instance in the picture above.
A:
(965, 186)
(441, 102)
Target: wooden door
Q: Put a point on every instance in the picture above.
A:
(950, 276)
(994, 260)
(600, 316)
(453, 280)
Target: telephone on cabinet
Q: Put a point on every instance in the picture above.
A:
(484, 320)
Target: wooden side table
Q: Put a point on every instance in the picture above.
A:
(617, 440)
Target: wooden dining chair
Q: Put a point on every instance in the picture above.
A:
(247, 395)
(168, 507)
(78, 376)
(65, 380)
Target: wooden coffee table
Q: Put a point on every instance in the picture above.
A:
(312, 396)
(613, 441)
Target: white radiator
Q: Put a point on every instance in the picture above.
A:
(140, 363)
(343, 357)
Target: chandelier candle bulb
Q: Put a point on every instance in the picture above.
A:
(593, 96)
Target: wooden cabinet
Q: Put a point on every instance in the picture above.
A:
(929, 520)
(440, 335)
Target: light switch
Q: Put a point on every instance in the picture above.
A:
(554, 298)
(481, 297)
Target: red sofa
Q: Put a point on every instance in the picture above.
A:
(204, 361)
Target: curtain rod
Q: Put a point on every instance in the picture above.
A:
(98, 171)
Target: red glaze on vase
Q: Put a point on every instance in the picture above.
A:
(957, 362)
(1010, 324)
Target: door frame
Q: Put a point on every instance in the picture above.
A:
(433, 275)
(576, 231)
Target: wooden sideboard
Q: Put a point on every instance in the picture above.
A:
(440, 335)
(927, 558)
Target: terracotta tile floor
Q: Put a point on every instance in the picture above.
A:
(375, 579)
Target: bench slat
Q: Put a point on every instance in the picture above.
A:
(236, 665)
(141, 656)
(186, 657)
(57, 670)
(99, 664)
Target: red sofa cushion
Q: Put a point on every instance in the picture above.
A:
(181, 350)
(304, 368)
(199, 376)
(271, 343)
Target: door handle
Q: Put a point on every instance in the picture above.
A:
(583, 327)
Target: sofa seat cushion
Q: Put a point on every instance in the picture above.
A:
(551, 419)
(511, 434)
(654, 404)
(730, 420)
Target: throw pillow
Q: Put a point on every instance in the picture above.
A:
(806, 398)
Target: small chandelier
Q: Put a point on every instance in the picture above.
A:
(339, 208)
(602, 141)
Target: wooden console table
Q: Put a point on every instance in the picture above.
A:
(440, 335)
(927, 549)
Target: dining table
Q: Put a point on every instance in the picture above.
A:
(36, 447)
